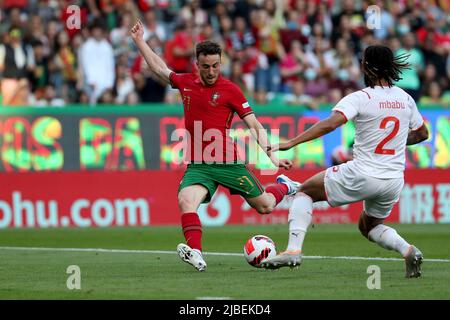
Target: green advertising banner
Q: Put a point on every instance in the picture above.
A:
(117, 138)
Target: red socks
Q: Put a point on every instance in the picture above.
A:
(279, 190)
(192, 229)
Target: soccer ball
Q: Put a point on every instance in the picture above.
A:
(257, 248)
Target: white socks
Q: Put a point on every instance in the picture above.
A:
(300, 216)
(389, 239)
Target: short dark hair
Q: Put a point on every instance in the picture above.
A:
(98, 23)
(379, 63)
(207, 47)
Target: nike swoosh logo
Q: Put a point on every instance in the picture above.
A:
(186, 89)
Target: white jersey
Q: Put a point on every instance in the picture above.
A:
(383, 117)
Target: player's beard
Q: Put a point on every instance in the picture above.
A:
(210, 81)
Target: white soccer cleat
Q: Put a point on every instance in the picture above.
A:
(413, 262)
(292, 185)
(191, 256)
(284, 259)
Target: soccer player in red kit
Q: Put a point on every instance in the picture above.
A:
(210, 102)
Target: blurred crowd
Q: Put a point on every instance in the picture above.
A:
(295, 52)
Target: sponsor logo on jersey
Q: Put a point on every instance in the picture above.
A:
(245, 105)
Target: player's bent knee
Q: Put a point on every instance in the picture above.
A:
(264, 209)
(185, 203)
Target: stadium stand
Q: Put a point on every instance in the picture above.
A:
(294, 52)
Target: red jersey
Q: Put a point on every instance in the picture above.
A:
(208, 113)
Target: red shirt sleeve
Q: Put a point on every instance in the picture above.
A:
(239, 103)
(176, 79)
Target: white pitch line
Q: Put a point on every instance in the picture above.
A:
(227, 254)
(213, 298)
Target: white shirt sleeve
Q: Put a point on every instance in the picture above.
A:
(2, 55)
(30, 57)
(416, 120)
(84, 55)
(349, 105)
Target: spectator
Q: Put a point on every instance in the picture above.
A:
(436, 55)
(298, 96)
(291, 66)
(348, 24)
(119, 36)
(124, 85)
(237, 76)
(15, 18)
(98, 76)
(429, 76)
(315, 86)
(241, 37)
(387, 22)
(342, 60)
(220, 11)
(180, 49)
(410, 81)
(66, 64)
(40, 76)
(37, 33)
(267, 76)
(317, 36)
(107, 97)
(194, 13)
(151, 27)
(433, 95)
(16, 60)
(49, 99)
(149, 88)
(256, 35)
(251, 58)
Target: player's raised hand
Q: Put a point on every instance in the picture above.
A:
(137, 31)
(285, 163)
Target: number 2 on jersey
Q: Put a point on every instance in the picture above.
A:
(379, 149)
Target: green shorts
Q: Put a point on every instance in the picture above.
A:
(236, 177)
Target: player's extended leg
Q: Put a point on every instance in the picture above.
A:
(373, 229)
(300, 216)
(189, 199)
(273, 195)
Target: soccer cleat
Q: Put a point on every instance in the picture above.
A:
(292, 185)
(284, 259)
(413, 262)
(191, 256)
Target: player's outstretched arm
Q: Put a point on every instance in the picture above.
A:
(319, 129)
(417, 136)
(155, 63)
(260, 134)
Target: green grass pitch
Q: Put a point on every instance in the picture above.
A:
(41, 274)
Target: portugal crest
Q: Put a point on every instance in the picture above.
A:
(214, 97)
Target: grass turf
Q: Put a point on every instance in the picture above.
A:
(105, 275)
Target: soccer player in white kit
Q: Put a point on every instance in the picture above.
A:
(386, 120)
